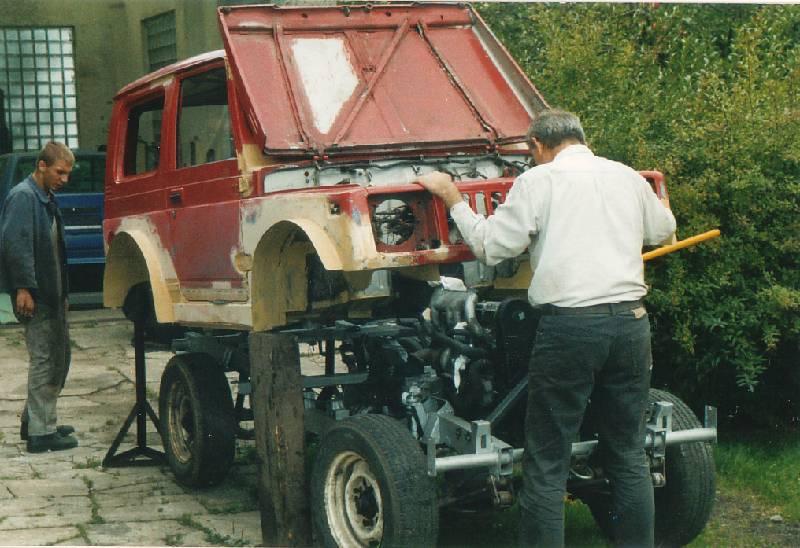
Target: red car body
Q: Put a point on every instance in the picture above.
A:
(273, 180)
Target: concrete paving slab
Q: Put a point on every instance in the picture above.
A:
(160, 533)
(41, 519)
(14, 468)
(30, 505)
(39, 536)
(158, 488)
(46, 487)
(86, 336)
(149, 508)
(68, 498)
(244, 527)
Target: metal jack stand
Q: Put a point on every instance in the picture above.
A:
(141, 455)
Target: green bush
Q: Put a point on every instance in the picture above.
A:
(709, 95)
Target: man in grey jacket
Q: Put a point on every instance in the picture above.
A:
(33, 270)
(583, 220)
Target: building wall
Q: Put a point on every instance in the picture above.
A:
(109, 48)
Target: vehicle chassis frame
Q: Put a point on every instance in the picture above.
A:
(470, 443)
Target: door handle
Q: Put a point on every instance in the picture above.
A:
(176, 196)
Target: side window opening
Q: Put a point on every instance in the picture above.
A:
(143, 137)
(204, 126)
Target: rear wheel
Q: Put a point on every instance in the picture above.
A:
(369, 487)
(198, 426)
(683, 505)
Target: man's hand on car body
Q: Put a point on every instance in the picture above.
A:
(441, 185)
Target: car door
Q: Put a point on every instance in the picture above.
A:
(81, 204)
(203, 193)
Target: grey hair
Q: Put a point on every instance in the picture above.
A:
(552, 127)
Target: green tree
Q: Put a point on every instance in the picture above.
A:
(708, 94)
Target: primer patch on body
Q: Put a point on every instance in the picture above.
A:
(327, 75)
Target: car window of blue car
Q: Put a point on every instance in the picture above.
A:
(87, 173)
(23, 169)
(3, 166)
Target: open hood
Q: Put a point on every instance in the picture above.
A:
(328, 80)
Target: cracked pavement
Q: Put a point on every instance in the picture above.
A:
(68, 498)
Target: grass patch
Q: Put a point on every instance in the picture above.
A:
(174, 539)
(95, 506)
(68, 539)
(499, 528)
(83, 533)
(231, 508)
(212, 537)
(247, 454)
(91, 462)
(767, 467)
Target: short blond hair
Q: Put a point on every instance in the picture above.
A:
(53, 151)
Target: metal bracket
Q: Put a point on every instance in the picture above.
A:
(472, 441)
(658, 427)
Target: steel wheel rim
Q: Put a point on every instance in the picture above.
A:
(353, 501)
(181, 423)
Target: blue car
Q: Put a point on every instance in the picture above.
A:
(81, 205)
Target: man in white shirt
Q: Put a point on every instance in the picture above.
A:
(583, 219)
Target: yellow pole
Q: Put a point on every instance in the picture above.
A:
(688, 242)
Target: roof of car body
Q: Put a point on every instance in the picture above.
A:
(174, 68)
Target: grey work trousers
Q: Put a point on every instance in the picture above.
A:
(47, 339)
(608, 357)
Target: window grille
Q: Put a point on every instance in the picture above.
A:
(159, 32)
(37, 77)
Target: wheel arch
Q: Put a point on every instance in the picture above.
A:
(132, 258)
(278, 278)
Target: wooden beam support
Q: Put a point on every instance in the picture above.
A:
(277, 401)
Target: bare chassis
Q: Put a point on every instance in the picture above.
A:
(472, 442)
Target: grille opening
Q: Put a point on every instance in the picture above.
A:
(393, 221)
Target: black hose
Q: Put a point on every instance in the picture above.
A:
(458, 346)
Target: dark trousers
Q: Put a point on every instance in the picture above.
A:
(606, 356)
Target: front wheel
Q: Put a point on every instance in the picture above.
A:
(198, 426)
(369, 487)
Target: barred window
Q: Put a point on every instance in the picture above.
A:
(37, 77)
(159, 32)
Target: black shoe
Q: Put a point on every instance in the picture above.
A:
(51, 442)
(64, 430)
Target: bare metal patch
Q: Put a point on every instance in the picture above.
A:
(327, 75)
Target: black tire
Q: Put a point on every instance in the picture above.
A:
(369, 487)
(684, 504)
(198, 425)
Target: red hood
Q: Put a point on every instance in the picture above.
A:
(385, 78)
